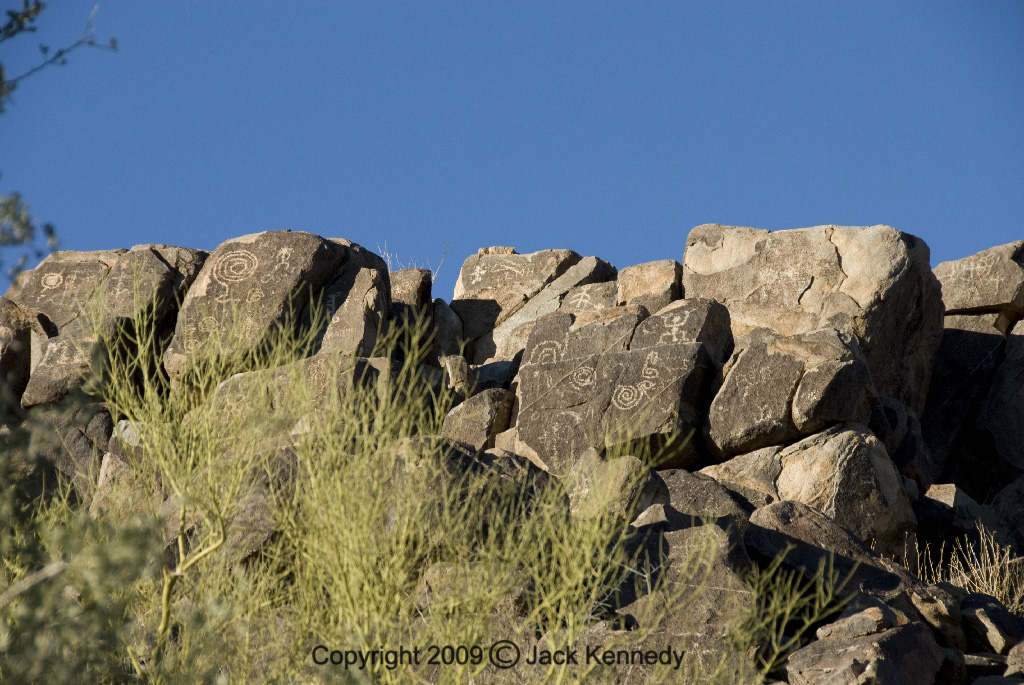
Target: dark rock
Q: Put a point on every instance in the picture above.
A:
(476, 421)
(256, 282)
(780, 389)
(907, 655)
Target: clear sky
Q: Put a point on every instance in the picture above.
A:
(610, 128)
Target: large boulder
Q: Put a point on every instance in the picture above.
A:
(80, 298)
(905, 655)
(870, 282)
(843, 472)
(990, 281)
(512, 329)
(357, 304)
(251, 285)
(781, 388)
(653, 284)
(583, 385)
(494, 283)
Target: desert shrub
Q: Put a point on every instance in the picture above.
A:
(378, 534)
(977, 564)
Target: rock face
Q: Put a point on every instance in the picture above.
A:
(873, 283)
(518, 289)
(262, 280)
(972, 419)
(79, 298)
(585, 382)
(781, 388)
(992, 280)
(812, 396)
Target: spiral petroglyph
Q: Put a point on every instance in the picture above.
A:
(583, 377)
(627, 397)
(235, 266)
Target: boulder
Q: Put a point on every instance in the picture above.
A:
(15, 352)
(810, 540)
(475, 422)
(695, 498)
(990, 281)
(703, 596)
(622, 487)
(845, 473)
(781, 388)
(509, 336)
(357, 304)
(691, 320)
(752, 475)
(249, 286)
(411, 288)
(906, 655)
(989, 626)
(448, 333)
(653, 285)
(873, 283)
(972, 347)
(494, 283)
(117, 287)
(590, 297)
(580, 386)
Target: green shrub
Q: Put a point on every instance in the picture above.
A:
(381, 537)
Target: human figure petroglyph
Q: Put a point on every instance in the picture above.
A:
(581, 300)
(674, 324)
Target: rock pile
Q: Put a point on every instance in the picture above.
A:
(821, 390)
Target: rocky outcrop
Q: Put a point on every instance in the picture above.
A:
(972, 418)
(873, 283)
(816, 396)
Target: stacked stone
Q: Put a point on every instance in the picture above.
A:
(818, 387)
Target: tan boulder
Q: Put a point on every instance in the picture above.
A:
(870, 282)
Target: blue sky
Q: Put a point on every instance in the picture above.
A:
(610, 128)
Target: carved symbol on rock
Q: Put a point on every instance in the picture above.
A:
(547, 351)
(581, 300)
(626, 397)
(51, 281)
(583, 377)
(235, 266)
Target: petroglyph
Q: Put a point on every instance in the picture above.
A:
(583, 377)
(235, 266)
(581, 300)
(52, 280)
(499, 269)
(547, 351)
(627, 397)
